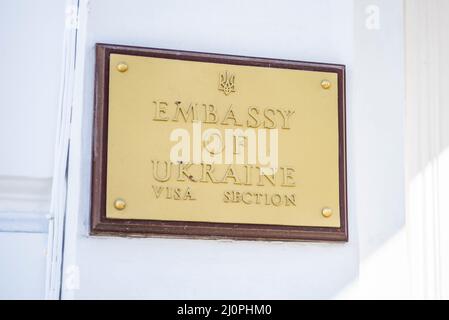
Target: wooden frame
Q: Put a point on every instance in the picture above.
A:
(101, 225)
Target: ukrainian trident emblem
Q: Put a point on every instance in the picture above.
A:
(226, 83)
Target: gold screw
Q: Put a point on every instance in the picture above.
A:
(120, 204)
(325, 84)
(326, 212)
(122, 67)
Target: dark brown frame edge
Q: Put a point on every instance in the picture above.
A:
(100, 225)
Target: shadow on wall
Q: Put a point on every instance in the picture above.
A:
(379, 121)
(170, 268)
(427, 173)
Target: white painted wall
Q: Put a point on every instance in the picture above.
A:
(22, 265)
(427, 171)
(31, 35)
(379, 137)
(106, 267)
(369, 265)
(30, 47)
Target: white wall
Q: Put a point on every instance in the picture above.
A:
(31, 35)
(166, 268)
(22, 265)
(31, 47)
(107, 267)
(379, 120)
(427, 144)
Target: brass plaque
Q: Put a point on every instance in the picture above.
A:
(216, 146)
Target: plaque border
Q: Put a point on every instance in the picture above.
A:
(101, 225)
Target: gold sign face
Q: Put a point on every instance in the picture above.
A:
(205, 145)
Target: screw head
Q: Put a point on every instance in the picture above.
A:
(326, 212)
(120, 204)
(325, 84)
(122, 67)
